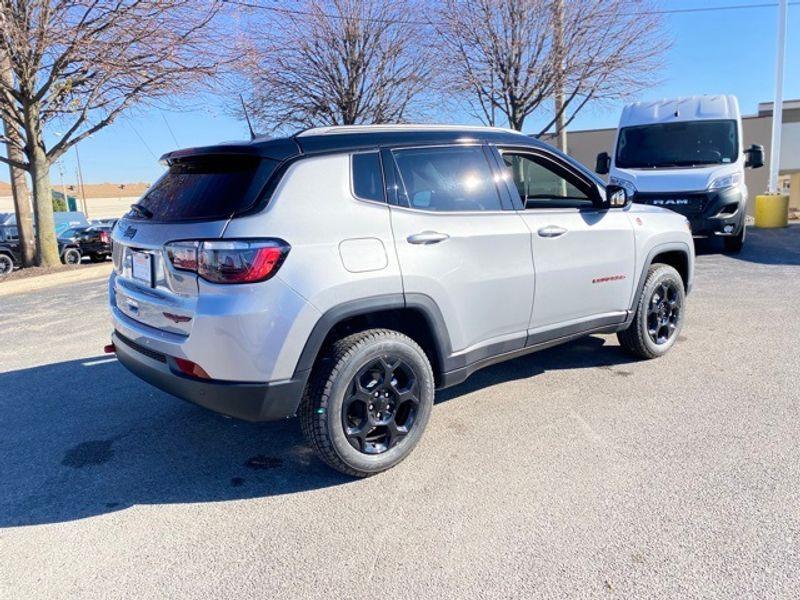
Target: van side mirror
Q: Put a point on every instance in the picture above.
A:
(603, 165)
(755, 156)
(616, 197)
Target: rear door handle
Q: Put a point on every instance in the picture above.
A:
(427, 237)
(551, 231)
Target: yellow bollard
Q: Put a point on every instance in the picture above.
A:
(772, 210)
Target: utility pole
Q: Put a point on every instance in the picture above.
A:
(777, 106)
(558, 66)
(80, 182)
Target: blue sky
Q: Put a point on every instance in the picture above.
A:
(724, 51)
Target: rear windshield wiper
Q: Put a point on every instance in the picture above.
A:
(140, 210)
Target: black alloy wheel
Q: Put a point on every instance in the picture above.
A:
(6, 265)
(663, 312)
(381, 406)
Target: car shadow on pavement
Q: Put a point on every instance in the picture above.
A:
(583, 353)
(762, 246)
(85, 437)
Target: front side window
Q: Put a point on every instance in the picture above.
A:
(367, 176)
(447, 179)
(12, 234)
(541, 185)
(681, 144)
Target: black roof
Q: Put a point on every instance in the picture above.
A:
(361, 139)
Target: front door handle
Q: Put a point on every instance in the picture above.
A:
(427, 237)
(551, 231)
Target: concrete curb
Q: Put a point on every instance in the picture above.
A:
(33, 284)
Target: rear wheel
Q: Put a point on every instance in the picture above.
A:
(368, 402)
(96, 258)
(735, 243)
(6, 265)
(659, 314)
(71, 256)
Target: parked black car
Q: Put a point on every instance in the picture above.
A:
(94, 242)
(9, 249)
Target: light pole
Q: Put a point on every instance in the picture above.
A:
(777, 106)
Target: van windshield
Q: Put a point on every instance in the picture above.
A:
(208, 187)
(682, 144)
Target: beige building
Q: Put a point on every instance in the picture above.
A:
(756, 129)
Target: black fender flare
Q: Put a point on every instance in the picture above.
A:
(421, 303)
(681, 247)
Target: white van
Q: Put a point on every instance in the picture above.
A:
(686, 154)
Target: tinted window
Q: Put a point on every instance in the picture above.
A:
(683, 144)
(447, 179)
(543, 186)
(12, 233)
(367, 176)
(212, 187)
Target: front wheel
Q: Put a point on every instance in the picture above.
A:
(659, 314)
(368, 402)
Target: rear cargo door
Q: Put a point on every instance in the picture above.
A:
(193, 200)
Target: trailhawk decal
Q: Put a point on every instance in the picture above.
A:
(607, 279)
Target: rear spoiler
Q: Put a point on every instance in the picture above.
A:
(278, 149)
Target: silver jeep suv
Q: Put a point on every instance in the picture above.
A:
(345, 273)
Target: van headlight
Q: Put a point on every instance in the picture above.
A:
(726, 181)
(628, 186)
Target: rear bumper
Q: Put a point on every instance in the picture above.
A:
(242, 400)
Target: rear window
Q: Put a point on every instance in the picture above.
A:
(211, 187)
(367, 176)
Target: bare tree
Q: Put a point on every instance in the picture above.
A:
(79, 64)
(19, 186)
(335, 62)
(504, 57)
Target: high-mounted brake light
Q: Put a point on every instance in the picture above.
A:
(229, 261)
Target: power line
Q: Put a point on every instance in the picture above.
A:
(172, 133)
(670, 11)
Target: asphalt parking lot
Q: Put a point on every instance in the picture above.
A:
(572, 472)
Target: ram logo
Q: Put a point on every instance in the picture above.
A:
(671, 202)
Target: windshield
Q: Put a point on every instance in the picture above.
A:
(682, 144)
(70, 233)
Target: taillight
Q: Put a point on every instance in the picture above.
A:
(229, 261)
(104, 237)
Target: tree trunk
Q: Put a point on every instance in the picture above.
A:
(22, 203)
(39, 168)
(46, 244)
(19, 186)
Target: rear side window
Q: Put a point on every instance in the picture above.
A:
(367, 176)
(210, 187)
(450, 179)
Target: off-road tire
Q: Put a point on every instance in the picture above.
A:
(320, 411)
(636, 339)
(97, 258)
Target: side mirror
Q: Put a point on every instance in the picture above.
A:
(616, 197)
(603, 165)
(755, 156)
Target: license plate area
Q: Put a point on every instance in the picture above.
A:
(142, 267)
